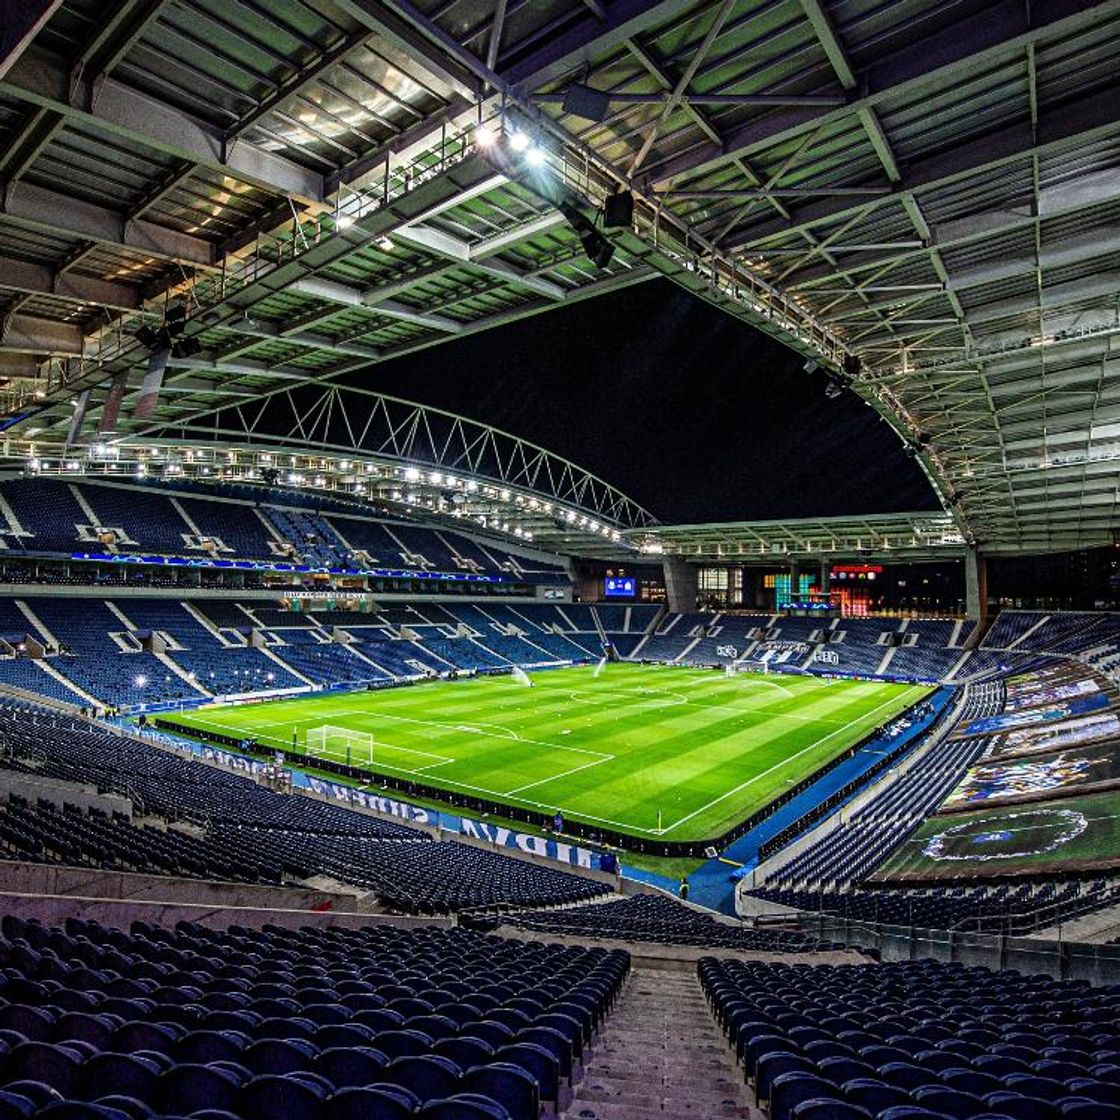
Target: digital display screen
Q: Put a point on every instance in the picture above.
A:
(619, 587)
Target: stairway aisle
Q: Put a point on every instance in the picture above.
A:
(659, 1056)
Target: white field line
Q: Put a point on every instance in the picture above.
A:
(779, 765)
(566, 774)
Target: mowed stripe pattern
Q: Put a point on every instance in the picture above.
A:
(701, 749)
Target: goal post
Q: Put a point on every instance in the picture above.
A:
(339, 743)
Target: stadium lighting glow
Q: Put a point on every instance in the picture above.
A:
(411, 474)
(519, 142)
(535, 156)
(485, 135)
(140, 681)
(344, 221)
(435, 478)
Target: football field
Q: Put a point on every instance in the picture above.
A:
(650, 750)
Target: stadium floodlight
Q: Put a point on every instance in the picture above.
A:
(411, 474)
(535, 156)
(520, 141)
(140, 681)
(485, 135)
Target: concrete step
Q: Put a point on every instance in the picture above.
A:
(660, 1055)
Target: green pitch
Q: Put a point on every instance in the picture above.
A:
(636, 744)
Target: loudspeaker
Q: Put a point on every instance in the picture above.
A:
(618, 210)
(583, 101)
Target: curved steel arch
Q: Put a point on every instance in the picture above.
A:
(343, 420)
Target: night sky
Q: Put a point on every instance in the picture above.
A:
(686, 410)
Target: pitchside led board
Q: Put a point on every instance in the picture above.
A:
(1043, 798)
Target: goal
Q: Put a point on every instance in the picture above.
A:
(340, 744)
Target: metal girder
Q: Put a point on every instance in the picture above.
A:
(44, 79)
(1095, 287)
(20, 22)
(1074, 119)
(353, 297)
(37, 279)
(939, 59)
(444, 245)
(1055, 254)
(305, 77)
(30, 335)
(39, 129)
(76, 218)
(14, 364)
(567, 52)
(117, 33)
(412, 45)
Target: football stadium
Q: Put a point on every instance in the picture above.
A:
(559, 559)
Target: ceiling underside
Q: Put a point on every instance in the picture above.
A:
(932, 187)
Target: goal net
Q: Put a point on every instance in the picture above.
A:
(340, 743)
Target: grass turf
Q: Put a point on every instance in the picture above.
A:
(649, 750)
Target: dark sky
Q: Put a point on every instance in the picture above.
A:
(686, 410)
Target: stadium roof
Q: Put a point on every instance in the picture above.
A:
(929, 187)
(897, 537)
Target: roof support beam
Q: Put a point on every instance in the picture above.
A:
(37, 279)
(21, 21)
(944, 57)
(29, 335)
(73, 217)
(117, 33)
(444, 245)
(39, 129)
(562, 54)
(450, 73)
(43, 79)
(353, 297)
(1095, 114)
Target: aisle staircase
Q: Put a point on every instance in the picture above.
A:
(660, 1056)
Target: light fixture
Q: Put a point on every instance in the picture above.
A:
(485, 135)
(384, 244)
(519, 141)
(535, 156)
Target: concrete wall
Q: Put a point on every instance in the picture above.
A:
(85, 882)
(59, 792)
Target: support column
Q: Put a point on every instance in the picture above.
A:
(826, 575)
(794, 580)
(976, 587)
(681, 584)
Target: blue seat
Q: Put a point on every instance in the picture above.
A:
(552, 1041)
(907, 1076)
(403, 1043)
(210, 1046)
(463, 1106)
(972, 1081)
(278, 1055)
(951, 1102)
(875, 1096)
(428, 1076)
(1078, 1108)
(376, 1102)
(13, 1106)
(465, 1052)
(80, 1110)
(280, 1097)
(123, 1074)
(771, 1066)
(191, 1087)
(1019, 1107)
(1093, 1090)
(507, 1084)
(824, 1109)
(138, 1110)
(48, 1063)
(538, 1063)
(344, 1067)
(839, 1070)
